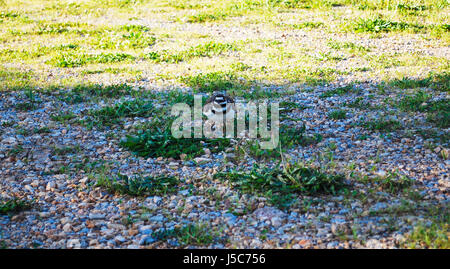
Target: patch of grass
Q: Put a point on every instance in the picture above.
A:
(25, 106)
(110, 115)
(113, 70)
(287, 106)
(319, 76)
(407, 83)
(303, 25)
(14, 205)
(8, 14)
(73, 59)
(250, 91)
(203, 50)
(7, 124)
(139, 185)
(23, 131)
(42, 130)
(328, 56)
(360, 103)
(303, 4)
(84, 92)
(191, 234)
(63, 117)
(381, 124)
(438, 110)
(393, 182)
(206, 17)
(214, 81)
(440, 81)
(161, 143)
(439, 136)
(29, 104)
(440, 30)
(64, 150)
(124, 37)
(380, 25)
(282, 186)
(338, 114)
(240, 66)
(175, 97)
(288, 138)
(14, 79)
(338, 91)
(347, 45)
(61, 28)
(16, 150)
(431, 236)
(417, 102)
(440, 119)
(67, 47)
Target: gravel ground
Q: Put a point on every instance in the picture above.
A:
(70, 211)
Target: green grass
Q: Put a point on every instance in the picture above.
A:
(25, 106)
(381, 25)
(360, 103)
(16, 150)
(430, 236)
(438, 136)
(30, 102)
(63, 117)
(159, 142)
(61, 28)
(338, 114)
(423, 102)
(65, 150)
(7, 124)
(124, 37)
(110, 115)
(14, 205)
(138, 185)
(289, 137)
(381, 125)
(72, 59)
(347, 45)
(440, 119)
(175, 97)
(312, 76)
(214, 81)
(437, 81)
(283, 185)
(42, 130)
(288, 106)
(303, 25)
(191, 234)
(438, 111)
(203, 50)
(8, 15)
(393, 182)
(206, 17)
(87, 92)
(338, 91)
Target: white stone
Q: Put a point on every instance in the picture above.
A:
(73, 243)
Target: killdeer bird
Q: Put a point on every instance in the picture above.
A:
(218, 108)
(219, 105)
